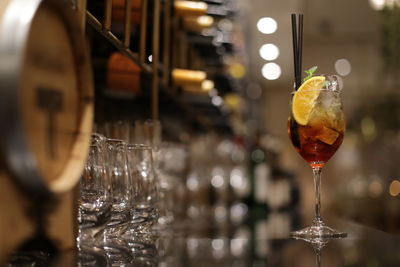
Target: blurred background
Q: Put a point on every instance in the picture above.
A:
(206, 85)
(359, 41)
(234, 133)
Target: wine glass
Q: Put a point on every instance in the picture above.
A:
(316, 127)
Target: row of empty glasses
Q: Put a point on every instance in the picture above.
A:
(138, 132)
(118, 193)
(169, 161)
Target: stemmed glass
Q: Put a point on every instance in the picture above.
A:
(316, 127)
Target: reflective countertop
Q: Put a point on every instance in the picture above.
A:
(230, 246)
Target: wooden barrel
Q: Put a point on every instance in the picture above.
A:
(46, 96)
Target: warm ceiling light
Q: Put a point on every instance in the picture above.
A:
(271, 71)
(377, 4)
(269, 51)
(267, 25)
(343, 67)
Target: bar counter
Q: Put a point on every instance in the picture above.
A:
(238, 246)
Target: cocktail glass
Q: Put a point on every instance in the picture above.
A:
(316, 127)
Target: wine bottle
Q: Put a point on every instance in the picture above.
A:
(197, 23)
(118, 11)
(260, 242)
(187, 8)
(260, 175)
(123, 75)
(283, 191)
(184, 77)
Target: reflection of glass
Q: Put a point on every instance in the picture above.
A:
(143, 250)
(89, 256)
(316, 127)
(318, 244)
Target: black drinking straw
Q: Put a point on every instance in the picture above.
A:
(297, 48)
(295, 54)
(300, 48)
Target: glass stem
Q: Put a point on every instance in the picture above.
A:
(317, 183)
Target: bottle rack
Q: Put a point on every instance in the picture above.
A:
(160, 68)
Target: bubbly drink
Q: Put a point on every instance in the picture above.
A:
(322, 134)
(316, 127)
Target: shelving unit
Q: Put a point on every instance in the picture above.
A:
(104, 28)
(170, 32)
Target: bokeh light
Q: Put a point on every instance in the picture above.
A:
(343, 67)
(377, 4)
(271, 71)
(269, 51)
(394, 189)
(375, 189)
(253, 91)
(217, 100)
(267, 25)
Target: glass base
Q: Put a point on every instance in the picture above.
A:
(318, 231)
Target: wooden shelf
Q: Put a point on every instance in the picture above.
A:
(117, 43)
(160, 88)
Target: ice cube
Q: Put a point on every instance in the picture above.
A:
(327, 135)
(326, 100)
(334, 83)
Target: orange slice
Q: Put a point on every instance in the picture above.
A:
(304, 99)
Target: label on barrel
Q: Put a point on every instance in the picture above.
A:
(51, 101)
(48, 95)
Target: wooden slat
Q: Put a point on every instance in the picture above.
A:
(107, 14)
(127, 23)
(173, 33)
(175, 44)
(183, 49)
(92, 21)
(167, 42)
(156, 57)
(143, 32)
(81, 5)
